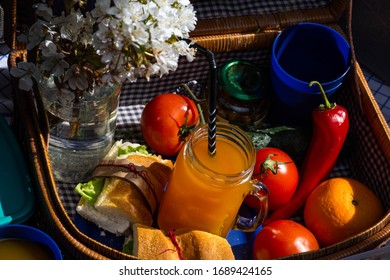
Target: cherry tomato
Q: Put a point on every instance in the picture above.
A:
(167, 121)
(278, 172)
(282, 238)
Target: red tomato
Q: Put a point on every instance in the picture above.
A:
(279, 173)
(167, 121)
(282, 238)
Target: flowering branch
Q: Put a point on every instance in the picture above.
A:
(116, 41)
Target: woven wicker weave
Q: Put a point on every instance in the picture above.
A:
(220, 35)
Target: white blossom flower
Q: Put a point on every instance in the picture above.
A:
(101, 8)
(35, 35)
(43, 11)
(26, 72)
(76, 78)
(48, 48)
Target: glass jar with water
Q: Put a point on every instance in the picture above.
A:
(81, 128)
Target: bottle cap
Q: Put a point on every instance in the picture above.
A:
(242, 80)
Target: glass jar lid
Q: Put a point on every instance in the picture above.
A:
(242, 80)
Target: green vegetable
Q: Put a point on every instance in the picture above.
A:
(129, 149)
(128, 247)
(293, 140)
(262, 137)
(91, 190)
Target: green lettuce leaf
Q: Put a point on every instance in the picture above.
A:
(128, 150)
(128, 247)
(91, 190)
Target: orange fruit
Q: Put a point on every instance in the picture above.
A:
(340, 208)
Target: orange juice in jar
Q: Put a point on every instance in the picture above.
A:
(205, 191)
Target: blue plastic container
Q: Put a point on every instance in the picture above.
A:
(302, 53)
(17, 201)
(31, 234)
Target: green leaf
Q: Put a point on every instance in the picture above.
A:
(128, 247)
(91, 190)
(262, 137)
(129, 149)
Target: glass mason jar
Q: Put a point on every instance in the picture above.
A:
(81, 129)
(243, 94)
(205, 192)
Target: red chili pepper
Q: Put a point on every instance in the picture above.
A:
(330, 128)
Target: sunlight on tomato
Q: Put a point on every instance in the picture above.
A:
(282, 238)
(278, 172)
(167, 121)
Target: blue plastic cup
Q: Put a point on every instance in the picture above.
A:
(29, 233)
(300, 54)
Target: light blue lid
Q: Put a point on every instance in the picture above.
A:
(16, 193)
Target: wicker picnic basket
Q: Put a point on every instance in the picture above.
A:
(229, 30)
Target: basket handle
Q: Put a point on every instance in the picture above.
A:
(353, 54)
(41, 114)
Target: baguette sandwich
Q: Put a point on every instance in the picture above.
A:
(126, 188)
(148, 243)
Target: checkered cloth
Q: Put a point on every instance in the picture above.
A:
(381, 91)
(223, 8)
